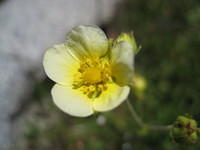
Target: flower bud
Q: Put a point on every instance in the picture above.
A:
(184, 130)
(128, 37)
(139, 84)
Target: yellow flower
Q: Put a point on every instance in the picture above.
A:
(90, 74)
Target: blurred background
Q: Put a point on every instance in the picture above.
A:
(167, 82)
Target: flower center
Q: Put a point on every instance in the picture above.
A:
(92, 77)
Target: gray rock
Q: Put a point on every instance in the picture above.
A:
(27, 28)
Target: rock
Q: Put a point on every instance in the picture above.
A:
(27, 28)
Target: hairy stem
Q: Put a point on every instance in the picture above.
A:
(142, 124)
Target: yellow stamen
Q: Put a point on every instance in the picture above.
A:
(92, 77)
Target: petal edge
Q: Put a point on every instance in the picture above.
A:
(71, 101)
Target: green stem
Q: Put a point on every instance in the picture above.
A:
(142, 124)
(135, 115)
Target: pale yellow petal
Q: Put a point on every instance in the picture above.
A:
(60, 65)
(122, 58)
(71, 101)
(111, 98)
(87, 40)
